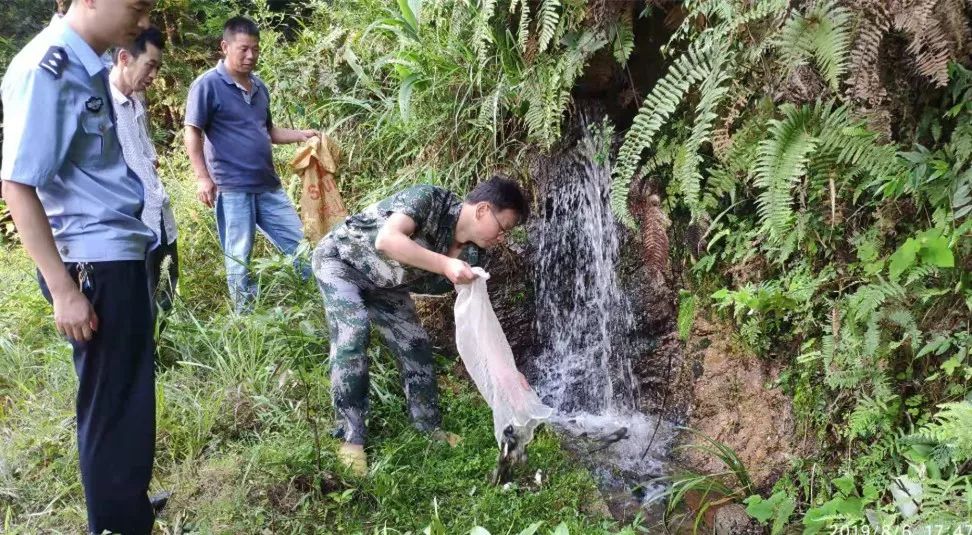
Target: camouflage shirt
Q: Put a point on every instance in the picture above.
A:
(435, 212)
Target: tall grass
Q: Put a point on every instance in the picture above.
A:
(244, 419)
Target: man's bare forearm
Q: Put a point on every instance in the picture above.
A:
(35, 233)
(401, 248)
(193, 139)
(283, 136)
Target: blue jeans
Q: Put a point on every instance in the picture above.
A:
(238, 215)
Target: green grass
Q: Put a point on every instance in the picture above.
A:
(243, 415)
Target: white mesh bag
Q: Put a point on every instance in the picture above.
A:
(487, 356)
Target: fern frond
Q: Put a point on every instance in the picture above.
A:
(547, 91)
(686, 169)
(733, 23)
(952, 427)
(489, 109)
(547, 19)
(905, 320)
(865, 301)
(523, 26)
(782, 160)
(721, 137)
(572, 62)
(823, 34)
(664, 155)
(691, 67)
(623, 42)
(545, 102)
(848, 145)
(922, 272)
(870, 417)
(655, 235)
(482, 31)
(864, 81)
(931, 48)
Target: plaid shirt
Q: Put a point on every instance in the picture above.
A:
(132, 128)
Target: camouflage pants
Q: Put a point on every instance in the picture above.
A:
(352, 303)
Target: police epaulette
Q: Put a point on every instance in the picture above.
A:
(54, 61)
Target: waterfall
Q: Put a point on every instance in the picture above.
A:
(584, 320)
(581, 314)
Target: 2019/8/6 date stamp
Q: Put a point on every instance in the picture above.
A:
(928, 529)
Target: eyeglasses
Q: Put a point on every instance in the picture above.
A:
(502, 230)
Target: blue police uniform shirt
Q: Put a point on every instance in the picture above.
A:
(59, 137)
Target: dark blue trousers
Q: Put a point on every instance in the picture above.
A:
(116, 396)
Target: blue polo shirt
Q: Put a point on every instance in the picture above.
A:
(59, 137)
(237, 126)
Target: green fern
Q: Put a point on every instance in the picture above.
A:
(622, 39)
(905, 320)
(922, 272)
(489, 108)
(824, 34)
(482, 29)
(547, 19)
(664, 155)
(848, 143)
(686, 172)
(871, 416)
(523, 26)
(952, 427)
(691, 67)
(545, 100)
(863, 303)
(782, 160)
(725, 19)
(580, 48)
(547, 90)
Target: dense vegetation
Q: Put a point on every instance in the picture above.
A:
(814, 157)
(243, 403)
(819, 158)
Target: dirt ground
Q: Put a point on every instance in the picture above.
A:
(734, 402)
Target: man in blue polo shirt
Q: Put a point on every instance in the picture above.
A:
(76, 205)
(229, 136)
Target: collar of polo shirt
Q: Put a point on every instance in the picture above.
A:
(221, 70)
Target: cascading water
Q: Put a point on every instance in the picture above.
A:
(584, 319)
(581, 313)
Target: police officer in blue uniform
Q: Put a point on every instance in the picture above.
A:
(76, 206)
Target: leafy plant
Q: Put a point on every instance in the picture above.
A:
(709, 490)
(778, 507)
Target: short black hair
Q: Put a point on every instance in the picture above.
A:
(150, 36)
(237, 25)
(503, 193)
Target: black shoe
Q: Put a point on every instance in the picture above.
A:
(159, 501)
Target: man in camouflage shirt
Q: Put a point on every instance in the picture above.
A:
(422, 239)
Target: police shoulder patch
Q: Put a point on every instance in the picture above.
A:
(54, 61)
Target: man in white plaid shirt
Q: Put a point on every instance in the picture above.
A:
(133, 72)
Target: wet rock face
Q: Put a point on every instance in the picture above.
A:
(734, 403)
(511, 293)
(657, 363)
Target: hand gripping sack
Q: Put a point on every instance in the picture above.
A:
(321, 206)
(489, 360)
